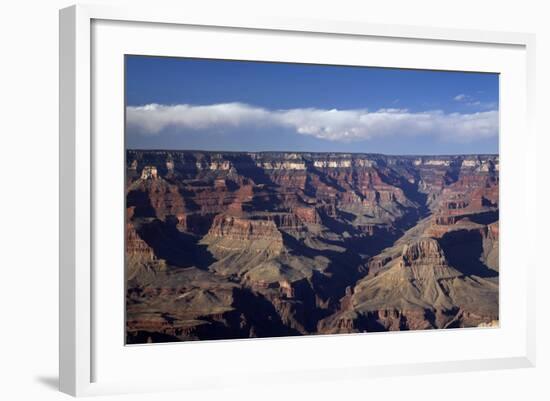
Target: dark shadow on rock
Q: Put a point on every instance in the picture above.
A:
(247, 167)
(453, 173)
(335, 225)
(262, 202)
(177, 248)
(322, 176)
(189, 202)
(463, 249)
(344, 269)
(140, 200)
(484, 217)
(260, 314)
(369, 323)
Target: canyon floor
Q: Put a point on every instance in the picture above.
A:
(224, 245)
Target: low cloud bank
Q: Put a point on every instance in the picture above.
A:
(334, 125)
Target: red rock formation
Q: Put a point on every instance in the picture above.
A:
(225, 226)
(307, 215)
(136, 248)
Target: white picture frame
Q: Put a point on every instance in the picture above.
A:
(80, 318)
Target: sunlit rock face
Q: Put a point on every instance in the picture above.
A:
(258, 244)
(149, 173)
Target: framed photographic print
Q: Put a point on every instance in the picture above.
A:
(279, 199)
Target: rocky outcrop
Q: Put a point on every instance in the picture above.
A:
(420, 290)
(136, 248)
(307, 215)
(243, 229)
(149, 173)
(426, 251)
(234, 234)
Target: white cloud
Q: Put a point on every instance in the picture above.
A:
(461, 97)
(335, 125)
(471, 101)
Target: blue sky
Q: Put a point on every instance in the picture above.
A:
(179, 103)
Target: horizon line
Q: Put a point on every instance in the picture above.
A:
(312, 152)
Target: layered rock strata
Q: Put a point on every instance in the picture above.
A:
(231, 245)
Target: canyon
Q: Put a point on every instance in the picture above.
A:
(225, 245)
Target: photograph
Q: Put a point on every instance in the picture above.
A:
(250, 201)
(273, 199)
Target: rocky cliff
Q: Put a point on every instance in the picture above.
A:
(230, 245)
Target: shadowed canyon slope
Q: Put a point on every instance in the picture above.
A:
(226, 245)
